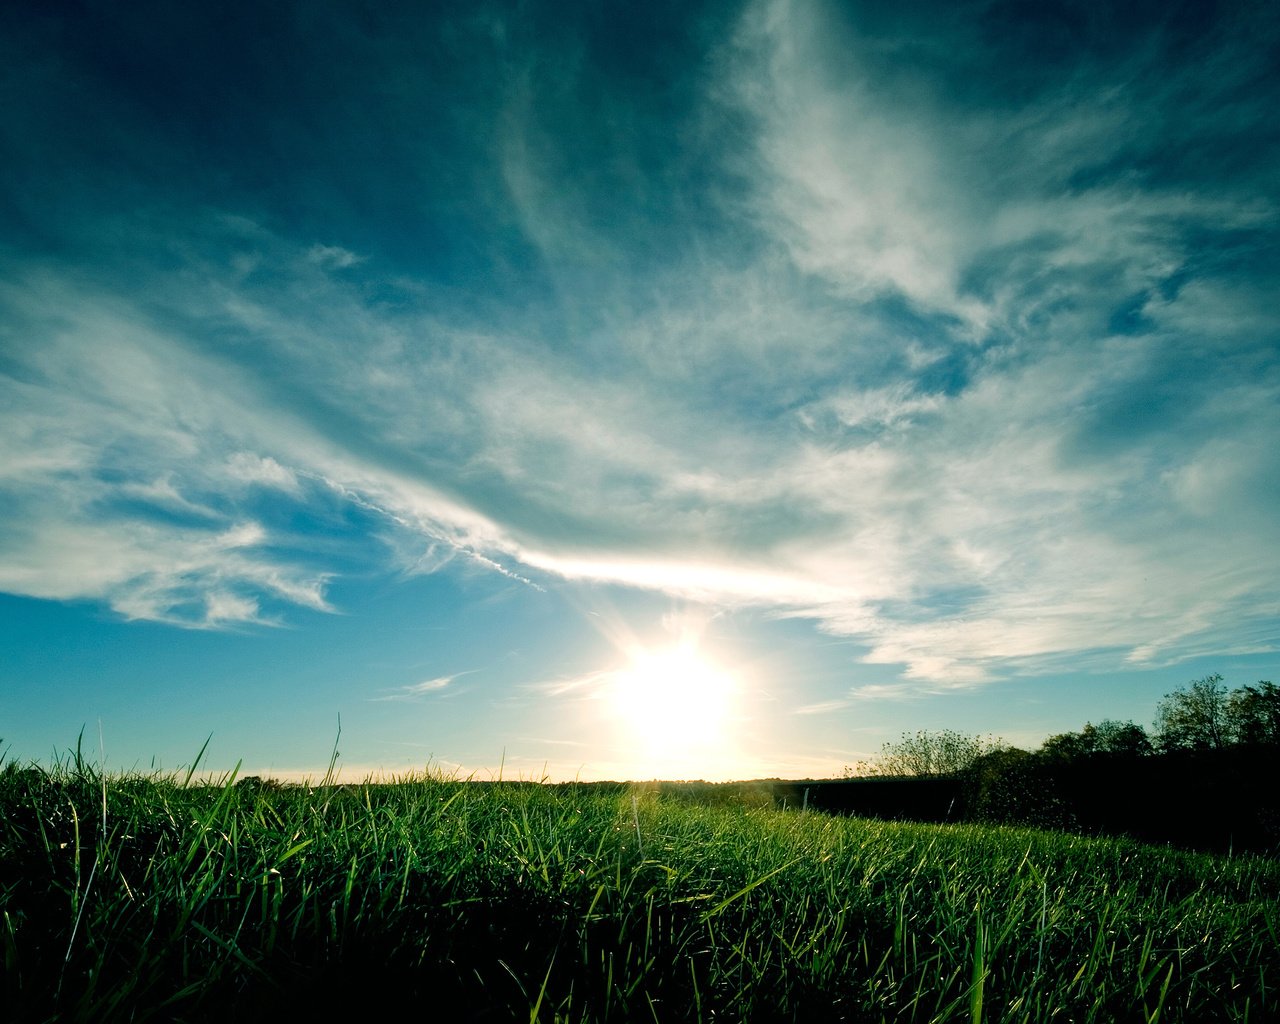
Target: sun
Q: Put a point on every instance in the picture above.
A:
(674, 705)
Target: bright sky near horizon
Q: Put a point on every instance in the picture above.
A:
(707, 390)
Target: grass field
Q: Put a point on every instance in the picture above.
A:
(152, 898)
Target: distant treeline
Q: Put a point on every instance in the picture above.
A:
(1204, 777)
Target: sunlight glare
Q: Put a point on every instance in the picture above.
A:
(675, 706)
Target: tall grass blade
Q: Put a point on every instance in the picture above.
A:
(192, 770)
(979, 976)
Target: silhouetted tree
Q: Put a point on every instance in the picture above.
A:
(926, 753)
(1107, 737)
(1066, 746)
(1253, 714)
(1194, 717)
(1121, 738)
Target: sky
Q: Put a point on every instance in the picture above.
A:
(572, 390)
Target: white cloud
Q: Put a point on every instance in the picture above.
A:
(759, 426)
(221, 606)
(889, 406)
(860, 193)
(185, 577)
(821, 708)
(885, 185)
(264, 470)
(862, 509)
(333, 257)
(114, 442)
(416, 691)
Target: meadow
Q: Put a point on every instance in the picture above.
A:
(167, 898)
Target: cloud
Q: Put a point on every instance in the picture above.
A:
(912, 688)
(857, 193)
(862, 509)
(416, 691)
(183, 577)
(333, 257)
(821, 708)
(872, 409)
(854, 323)
(117, 466)
(880, 177)
(263, 470)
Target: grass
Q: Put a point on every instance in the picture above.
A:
(152, 898)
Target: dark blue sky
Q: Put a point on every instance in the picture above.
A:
(444, 366)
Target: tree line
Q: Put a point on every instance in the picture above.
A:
(1203, 716)
(1202, 776)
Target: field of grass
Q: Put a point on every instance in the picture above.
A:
(144, 898)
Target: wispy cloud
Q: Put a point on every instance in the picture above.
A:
(962, 366)
(333, 257)
(261, 470)
(821, 708)
(417, 691)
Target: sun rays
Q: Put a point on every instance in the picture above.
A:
(675, 708)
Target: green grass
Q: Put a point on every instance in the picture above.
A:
(144, 898)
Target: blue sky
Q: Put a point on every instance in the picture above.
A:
(706, 390)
